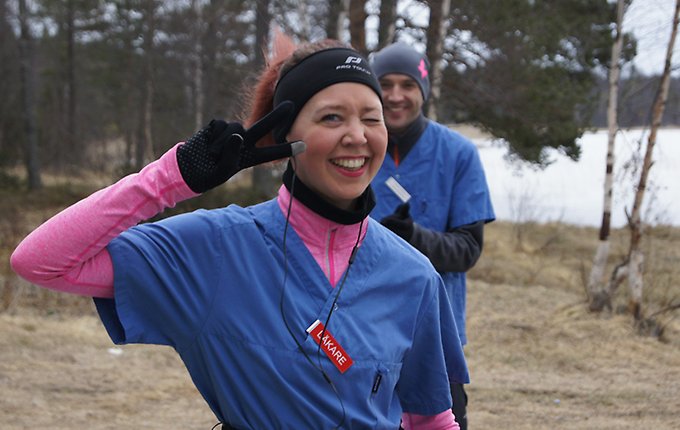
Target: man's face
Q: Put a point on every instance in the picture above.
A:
(403, 101)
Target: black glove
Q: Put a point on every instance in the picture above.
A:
(400, 222)
(220, 150)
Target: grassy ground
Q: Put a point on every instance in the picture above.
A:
(538, 359)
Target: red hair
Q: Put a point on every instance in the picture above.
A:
(285, 54)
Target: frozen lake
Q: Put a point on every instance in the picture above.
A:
(572, 192)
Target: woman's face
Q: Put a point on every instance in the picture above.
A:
(343, 128)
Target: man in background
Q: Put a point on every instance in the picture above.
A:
(431, 189)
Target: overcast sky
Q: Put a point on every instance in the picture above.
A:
(650, 21)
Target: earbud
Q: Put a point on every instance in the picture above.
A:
(297, 147)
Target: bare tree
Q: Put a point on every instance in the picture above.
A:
(436, 32)
(144, 151)
(8, 85)
(71, 131)
(599, 297)
(337, 14)
(387, 25)
(197, 30)
(210, 47)
(28, 97)
(263, 182)
(357, 25)
(635, 254)
(124, 29)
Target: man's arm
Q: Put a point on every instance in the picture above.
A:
(456, 250)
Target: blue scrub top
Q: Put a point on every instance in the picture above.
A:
(210, 284)
(444, 175)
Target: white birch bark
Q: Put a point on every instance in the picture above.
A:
(635, 269)
(599, 296)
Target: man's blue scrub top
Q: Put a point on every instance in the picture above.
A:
(210, 285)
(445, 177)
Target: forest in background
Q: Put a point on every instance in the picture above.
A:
(84, 79)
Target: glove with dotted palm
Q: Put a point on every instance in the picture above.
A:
(221, 149)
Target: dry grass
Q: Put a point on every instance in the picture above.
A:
(538, 359)
(559, 256)
(61, 373)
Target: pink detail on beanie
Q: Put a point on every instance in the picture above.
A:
(422, 68)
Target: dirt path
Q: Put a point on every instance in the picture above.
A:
(538, 361)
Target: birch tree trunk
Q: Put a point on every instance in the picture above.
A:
(436, 32)
(636, 256)
(599, 297)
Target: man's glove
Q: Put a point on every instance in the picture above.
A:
(400, 222)
(220, 150)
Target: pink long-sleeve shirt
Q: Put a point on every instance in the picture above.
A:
(68, 252)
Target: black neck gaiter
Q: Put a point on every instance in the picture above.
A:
(364, 205)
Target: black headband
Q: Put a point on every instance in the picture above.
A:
(316, 72)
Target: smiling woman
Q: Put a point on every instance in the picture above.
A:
(346, 140)
(250, 298)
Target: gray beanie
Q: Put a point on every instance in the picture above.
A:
(401, 58)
